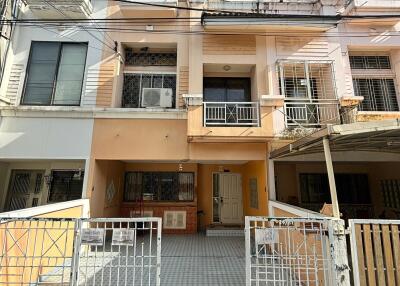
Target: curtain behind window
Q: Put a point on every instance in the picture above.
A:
(70, 75)
(41, 73)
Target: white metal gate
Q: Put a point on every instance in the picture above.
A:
(289, 251)
(102, 251)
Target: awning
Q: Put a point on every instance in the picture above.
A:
(377, 136)
(268, 22)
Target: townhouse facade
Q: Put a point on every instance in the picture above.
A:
(172, 109)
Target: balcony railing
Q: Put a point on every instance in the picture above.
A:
(231, 114)
(311, 113)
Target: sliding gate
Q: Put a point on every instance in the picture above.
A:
(289, 251)
(104, 251)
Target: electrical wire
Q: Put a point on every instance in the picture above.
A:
(95, 37)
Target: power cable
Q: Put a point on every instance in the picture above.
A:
(95, 37)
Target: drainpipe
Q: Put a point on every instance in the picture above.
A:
(331, 177)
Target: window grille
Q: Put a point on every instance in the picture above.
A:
(149, 58)
(391, 193)
(135, 82)
(306, 80)
(379, 94)
(159, 186)
(370, 62)
(65, 186)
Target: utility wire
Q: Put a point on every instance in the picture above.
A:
(95, 37)
(223, 33)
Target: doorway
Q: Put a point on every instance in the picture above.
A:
(227, 198)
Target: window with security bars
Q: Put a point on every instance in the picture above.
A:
(134, 83)
(391, 193)
(370, 62)
(379, 94)
(65, 185)
(159, 186)
(306, 80)
(150, 58)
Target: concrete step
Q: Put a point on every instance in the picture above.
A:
(225, 231)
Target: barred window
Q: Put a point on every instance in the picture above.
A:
(379, 94)
(135, 82)
(66, 186)
(370, 62)
(391, 193)
(149, 58)
(159, 186)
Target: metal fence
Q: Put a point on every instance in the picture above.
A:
(289, 251)
(311, 113)
(47, 251)
(231, 114)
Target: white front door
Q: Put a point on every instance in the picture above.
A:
(231, 208)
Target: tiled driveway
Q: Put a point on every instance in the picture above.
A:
(202, 260)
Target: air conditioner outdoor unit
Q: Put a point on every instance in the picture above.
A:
(157, 97)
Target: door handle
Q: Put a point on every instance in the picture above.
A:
(221, 199)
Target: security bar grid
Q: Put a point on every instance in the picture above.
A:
(288, 251)
(310, 93)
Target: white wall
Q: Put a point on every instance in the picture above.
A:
(45, 138)
(19, 54)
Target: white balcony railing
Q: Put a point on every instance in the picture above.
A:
(231, 114)
(311, 113)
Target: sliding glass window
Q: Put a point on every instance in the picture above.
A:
(55, 74)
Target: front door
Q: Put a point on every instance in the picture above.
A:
(230, 198)
(25, 189)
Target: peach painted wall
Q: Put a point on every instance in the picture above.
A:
(196, 128)
(163, 140)
(139, 139)
(105, 173)
(255, 169)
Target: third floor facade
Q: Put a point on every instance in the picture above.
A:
(247, 70)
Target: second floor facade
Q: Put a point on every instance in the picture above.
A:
(229, 79)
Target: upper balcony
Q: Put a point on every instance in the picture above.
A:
(288, 7)
(57, 9)
(310, 93)
(228, 108)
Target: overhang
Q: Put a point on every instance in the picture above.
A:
(272, 23)
(377, 136)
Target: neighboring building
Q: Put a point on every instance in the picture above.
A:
(162, 111)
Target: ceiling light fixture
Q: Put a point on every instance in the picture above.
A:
(227, 67)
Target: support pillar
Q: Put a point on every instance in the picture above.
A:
(331, 177)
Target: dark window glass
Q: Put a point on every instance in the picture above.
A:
(65, 186)
(55, 74)
(379, 94)
(370, 62)
(297, 88)
(134, 84)
(351, 188)
(226, 89)
(159, 186)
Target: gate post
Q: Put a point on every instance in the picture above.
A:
(338, 250)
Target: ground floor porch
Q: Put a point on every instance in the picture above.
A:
(189, 196)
